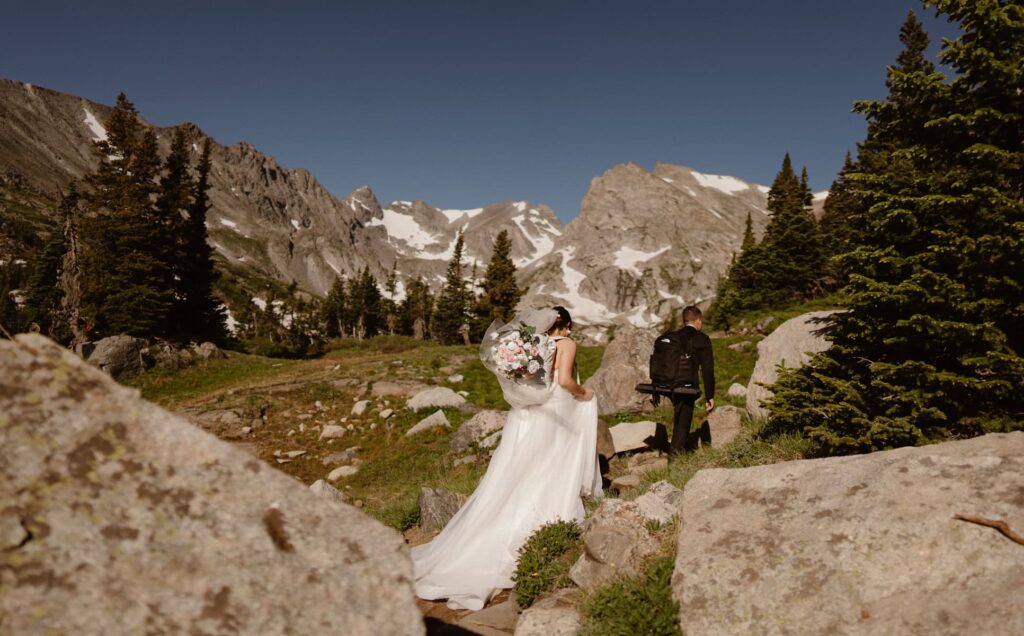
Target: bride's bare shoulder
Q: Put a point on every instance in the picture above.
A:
(565, 344)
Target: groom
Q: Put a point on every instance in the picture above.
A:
(700, 346)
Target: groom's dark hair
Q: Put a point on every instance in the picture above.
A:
(563, 320)
(691, 314)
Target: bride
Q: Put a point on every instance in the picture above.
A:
(546, 462)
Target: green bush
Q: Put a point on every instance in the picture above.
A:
(641, 605)
(545, 559)
(400, 516)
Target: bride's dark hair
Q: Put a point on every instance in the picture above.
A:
(563, 320)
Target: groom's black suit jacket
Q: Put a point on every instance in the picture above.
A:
(700, 344)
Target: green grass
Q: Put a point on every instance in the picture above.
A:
(634, 605)
(545, 559)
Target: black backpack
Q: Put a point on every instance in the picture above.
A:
(673, 364)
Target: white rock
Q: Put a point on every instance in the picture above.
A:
(327, 491)
(661, 502)
(331, 432)
(726, 423)
(342, 471)
(436, 397)
(386, 413)
(554, 615)
(737, 390)
(293, 454)
(360, 407)
(476, 428)
(456, 378)
(434, 420)
(491, 441)
(630, 435)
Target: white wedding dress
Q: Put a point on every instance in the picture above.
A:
(546, 462)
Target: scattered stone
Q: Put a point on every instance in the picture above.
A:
(350, 427)
(386, 413)
(468, 459)
(625, 483)
(554, 615)
(386, 388)
(473, 430)
(762, 325)
(865, 544)
(304, 416)
(167, 356)
(302, 428)
(282, 460)
(318, 405)
(342, 471)
(646, 462)
(791, 345)
(437, 507)
(661, 502)
(435, 420)
(491, 441)
(373, 426)
(101, 475)
(218, 416)
(726, 423)
(327, 491)
(246, 430)
(742, 345)
(616, 543)
(291, 432)
(625, 364)
(737, 390)
(120, 356)
(342, 457)
(464, 394)
(360, 407)
(499, 618)
(331, 431)
(631, 435)
(437, 397)
(456, 378)
(295, 453)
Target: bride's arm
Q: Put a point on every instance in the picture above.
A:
(564, 358)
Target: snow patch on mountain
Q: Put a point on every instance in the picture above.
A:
(455, 215)
(404, 227)
(229, 223)
(723, 183)
(580, 307)
(99, 133)
(627, 258)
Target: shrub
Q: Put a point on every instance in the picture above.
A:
(545, 559)
(641, 605)
(400, 516)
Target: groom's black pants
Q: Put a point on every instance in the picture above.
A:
(682, 440)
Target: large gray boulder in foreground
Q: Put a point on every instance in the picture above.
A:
(625, 363)
(865, 544)
(118, 517)
(791, 345)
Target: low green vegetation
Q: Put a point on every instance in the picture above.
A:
(545, 559)
(170, 388)
(635, 605)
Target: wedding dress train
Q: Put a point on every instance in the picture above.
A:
(545, 463)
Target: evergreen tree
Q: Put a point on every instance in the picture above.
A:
(43, 294)
(454, 303)
(362, 314)
(805, 185)
(748, 235)
(931, 345)
(389, 303)
(172, 201)
(10, 316)
(417, 307)
(837, 235)
(500, 294)
(333, 309)
(203, 316)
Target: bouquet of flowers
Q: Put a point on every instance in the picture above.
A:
(520, 354)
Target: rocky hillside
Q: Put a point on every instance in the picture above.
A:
(646, 242)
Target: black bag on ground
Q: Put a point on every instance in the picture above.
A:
(673, 364)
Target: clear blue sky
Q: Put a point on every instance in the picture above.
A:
(463, 103)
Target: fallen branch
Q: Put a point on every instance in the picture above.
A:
(998, 524)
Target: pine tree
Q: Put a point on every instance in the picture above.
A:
(10, 316)
(417, 308)
(333, 309)
(203, 315)
(500, 294)
(389, 303)
(749, 241)
(837, 234)
(805, 185)
(453, 305)
(173, 198)
(43, 295)
(931, 345)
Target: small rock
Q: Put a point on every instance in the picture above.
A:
(554, 615)
(437, 507)
(373, 426)
(661, 502)
(631, 435)
(726, 423)
(302, 428)
(327, 491)
(436, 397)
(491, 441)
(742, 345)
(464, 394)
(295, 453)
(304, 416)
(331, 431)
(437, 419)
(342, 471)
(468, 459)
(246, 430)
(645, 462)
(386, 413)
(616, 543)
(763, 324)
(291, 432)
(350, 427)
(360, 407)
(342, 457)
(737, 390)
(282, 460)
(499, 618)
(625, 483)
(319, 405)
(209, 351)
(456, 378)
(477, 428)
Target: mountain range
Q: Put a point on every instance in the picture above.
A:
(645, 243)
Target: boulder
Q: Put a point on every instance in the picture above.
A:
(791, 345)
(625, 364)
(616, 543)
(498, 619)
(208, 351)
(605, 443)
(434, 420)
(326, 491)
(554, 615)
(726, 422)
(625, 483)
(641, 463)
(661, 502)
(476, 429)
(136, 521)
(167, 356)
(737, 391)
(437, 507)
(437, 397)
(120, 356)
(865, 544)
(386, 388)
(631, 435)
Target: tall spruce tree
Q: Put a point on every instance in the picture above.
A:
(202, 313)
(500, 293)
(931, 345)
(43, 294)
(173, 198)
(416, 308)
(454, 302)
(334, 308)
